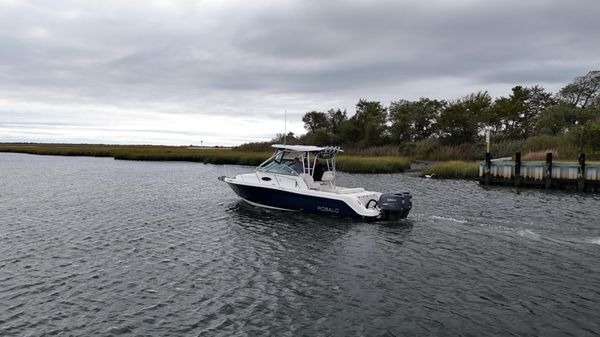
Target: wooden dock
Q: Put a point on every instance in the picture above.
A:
(577, 176)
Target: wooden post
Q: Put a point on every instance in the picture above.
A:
(517, 169)
(548, 171)
(488, 168)
(581, 173)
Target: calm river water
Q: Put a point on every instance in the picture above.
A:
(95, 246)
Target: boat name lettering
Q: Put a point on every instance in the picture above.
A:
(328, 209)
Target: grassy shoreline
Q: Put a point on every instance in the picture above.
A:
(219, 156)
(351, 163)
(454, 169)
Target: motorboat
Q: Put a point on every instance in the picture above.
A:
(302, 178)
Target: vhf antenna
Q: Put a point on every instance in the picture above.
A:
(284, 127)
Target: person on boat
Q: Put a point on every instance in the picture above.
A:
(318, 170)
(297, 166)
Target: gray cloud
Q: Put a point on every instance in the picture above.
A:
(253, 60)
(390, 41)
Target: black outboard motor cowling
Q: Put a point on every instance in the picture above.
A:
(395, 205)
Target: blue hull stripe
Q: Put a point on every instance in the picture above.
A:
(294, 201)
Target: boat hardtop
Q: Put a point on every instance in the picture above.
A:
(306, 148)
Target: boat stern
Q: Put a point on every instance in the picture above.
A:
(395, 205)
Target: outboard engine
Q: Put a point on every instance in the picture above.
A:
(395, 205)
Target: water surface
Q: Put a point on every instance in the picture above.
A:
(95, 246)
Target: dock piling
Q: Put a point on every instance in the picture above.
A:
(548, 171)
(517, 169)
(581, 173)
(488, 168)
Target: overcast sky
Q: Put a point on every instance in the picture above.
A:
(223, 72)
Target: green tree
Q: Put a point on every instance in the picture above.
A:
(562, 118)
(591, 135)
(516, 115)
(412, 121)
(369, 122)
(290, 138)
(401, 116)
(335, 119)
(349, 132)
(314, 121)
(461, 121)
(583, 91)
(537, 100)
(502, 115)
(319, 138)
(556, 119)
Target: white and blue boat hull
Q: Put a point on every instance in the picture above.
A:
(295, 201)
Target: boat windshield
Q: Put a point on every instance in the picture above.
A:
(281, 168)
(281, 163)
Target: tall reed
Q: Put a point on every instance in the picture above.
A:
(453, 170)
(356, 164)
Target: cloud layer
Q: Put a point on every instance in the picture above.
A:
(225, 71)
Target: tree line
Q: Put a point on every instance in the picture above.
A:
(528, 111)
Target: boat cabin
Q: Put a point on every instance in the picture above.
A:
(316, 165)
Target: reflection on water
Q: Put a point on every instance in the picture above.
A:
(94, 246)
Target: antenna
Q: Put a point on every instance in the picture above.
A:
(284, 127)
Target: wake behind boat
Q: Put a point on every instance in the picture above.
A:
(303, 178)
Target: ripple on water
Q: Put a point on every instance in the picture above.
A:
(94, 246)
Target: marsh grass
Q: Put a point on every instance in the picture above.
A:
(355, 164)
(220, 156)
(541, 155)
(150, 153)
(453, 170)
